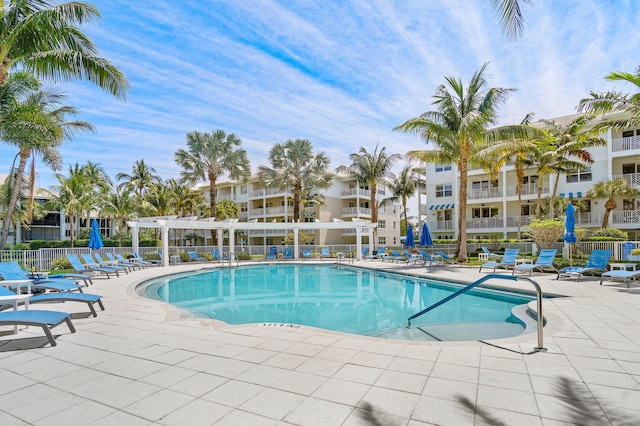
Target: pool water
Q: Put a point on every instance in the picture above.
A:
(340, 298)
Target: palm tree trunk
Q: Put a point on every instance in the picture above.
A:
(373, 188)
(16, 183)
(552, 207)
(212, 195)
(404, 210)
(539, 201)
(605, 219)
(462, 217)
(71, 226)
(297, 189)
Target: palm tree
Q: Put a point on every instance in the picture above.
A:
(610, 190)
(227, 209)
(210, 155)
(140, 178)
(36, 123)
(612, 101)
(158, 200)
(185, 200)
(511, 19)
(73, 195)
(457, 129)
(403, 187)
(120, 205)
(295, 168)
(370, 168)
(46, 40)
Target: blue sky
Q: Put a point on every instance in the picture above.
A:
(339, 73)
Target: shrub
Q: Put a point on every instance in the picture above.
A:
(545, 232)
(613, 234)
(206, 255)
(61, 263)
(243, 255)
(184, 257)
(635, 252)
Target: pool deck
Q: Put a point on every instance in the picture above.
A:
(138, 363)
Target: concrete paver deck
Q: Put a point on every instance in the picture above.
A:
(138, 362)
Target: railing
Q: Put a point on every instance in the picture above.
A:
(257, 193)
(444, 225)
(625, 217)
(625, 144)
(478, 194)
(225, 197)
(485, 222)
(352, 192)
(527, 189)
(353, 211)
(633, 179)
(540, 346)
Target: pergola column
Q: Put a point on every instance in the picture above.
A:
(296, 249)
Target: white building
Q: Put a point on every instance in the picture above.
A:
(492, 204)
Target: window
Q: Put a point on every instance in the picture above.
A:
(629, 204)
(243, 189)
(444, 215)
(630, 168)
(480, 212)
(585, 206)
(525, 210)
(243, 207)
(530, 179)
(442, 167)
(382, 241)
(382, 224)
(444, 190)
(484, 184)
(394, 224)
(579, 176)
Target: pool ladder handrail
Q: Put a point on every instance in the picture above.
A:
(540, 346)
(232, 256)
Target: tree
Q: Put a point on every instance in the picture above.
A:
(545, 232)
(227, 209)
(120, 205)
(36, 123)
(141, 177)
(210, 155)
(610, 190)
(612, 101)
(370, 168)
(295, 168)
(510, 15)
(185, 200)
(457, 129)
(158, 200)
(403, 187)
(46, 40)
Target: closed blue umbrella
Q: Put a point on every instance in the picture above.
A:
(409, 242)
(95, 241)
(425, 236)
(570, 228)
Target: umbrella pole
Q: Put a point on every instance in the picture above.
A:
(570, 254)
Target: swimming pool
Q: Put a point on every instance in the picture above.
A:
(341, 298)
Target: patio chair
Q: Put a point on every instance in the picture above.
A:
(17, 278)
(193, 257)
(306, 254)
(446, 259)
(508, 261)
(288, 253)
(139, 258)
(110, 264)
(92, 266)
(544, 263)
(132, 264)
(381, 251)
(596, 264)
(412, 257)
(395, 256)
(427, 258)
(489, 254)
(325, 252)
(365, 251)
(38, 318)
(89, 299)
(626, 276)
(215, 255)
(273, 253)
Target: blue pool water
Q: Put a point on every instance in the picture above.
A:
(340, 298)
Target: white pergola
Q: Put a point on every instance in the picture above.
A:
(166, 223)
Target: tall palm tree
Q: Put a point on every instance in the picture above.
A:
(227, 209)
(36, 123)
(613, 101)
(403, 187)
(73, 195)
(370, 168)
(141, 177)
(120, 205)
(158, 200)
(47, 40)
(185, 200)
(457, 129)
(610, 190)
(210, 155)
(510, 15)
(295, 168)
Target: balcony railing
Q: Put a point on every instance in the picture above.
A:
(483, 194)
(225, 197)
(625, 217)
(444, 225)
(257, 193)
(352, 192)
(633, 179)
(528, 189)
(625, 144)
(355, 211)
(485, 222)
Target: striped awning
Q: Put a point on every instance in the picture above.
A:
(441, 206)
(308, 214)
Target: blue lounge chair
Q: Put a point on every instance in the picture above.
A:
(89, 299)
(596, 264)
(412, 257)
(446, 259)
(626, 276)
(138, 258)
(215, 255)
(325, 252)
(489, 254)
(11, 271)
(45, 319)
(395, 256)
(124, 262)
(90, 267)
(508, 261)
(544, 263)
(288, 253)
(306, 254)
(273, 253)
(110, 264)
(365, 251)
(377, 255)
(427, 258)
(193, 257)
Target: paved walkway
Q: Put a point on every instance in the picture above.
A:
(138, 363)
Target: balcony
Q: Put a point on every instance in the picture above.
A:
(257, 193)
(528, 189)
(270, 211)
(625, 144)
(356, 211)
(483, 194)
(225, 197)
(633, 179)
(625, 218)
(485, 222)
(353, 192)
(444, 225)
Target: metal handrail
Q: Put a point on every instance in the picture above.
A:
(540, 346)
(231, 256)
